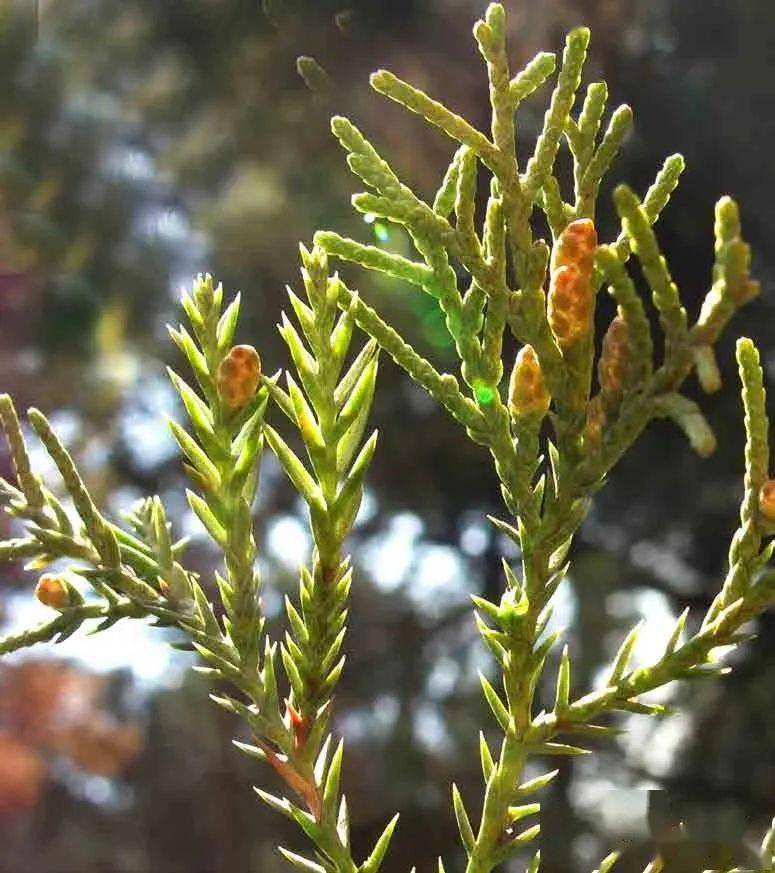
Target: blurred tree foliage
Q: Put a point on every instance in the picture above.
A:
(141, 141)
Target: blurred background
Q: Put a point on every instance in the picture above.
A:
(142, 142)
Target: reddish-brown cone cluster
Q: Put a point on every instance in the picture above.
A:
(238, 377)
(594, 424)
(614, 359)
(528, 396)
(571, 299)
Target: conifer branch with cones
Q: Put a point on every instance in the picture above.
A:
(554, 428)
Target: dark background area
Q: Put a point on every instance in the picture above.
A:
(142, 142)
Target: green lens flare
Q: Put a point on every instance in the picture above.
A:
(485, 394)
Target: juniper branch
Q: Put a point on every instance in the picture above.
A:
(548, 501)
(331, 420)
(222, 457)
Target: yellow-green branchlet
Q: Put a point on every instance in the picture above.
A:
(548, 304)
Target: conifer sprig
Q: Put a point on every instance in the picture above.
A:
(330, 408)
(119, 571)
(329, 405)
(135, 571)
(330, 411)
(548, 304)
(223, 451)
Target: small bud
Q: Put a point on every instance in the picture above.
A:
(575, 246)
(527, 392)
(238, 376)
(614, 358)
(204, 293)
(570, 305)
(767, 500)
(53, 591)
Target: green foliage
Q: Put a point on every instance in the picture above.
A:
(553, 438)
(331, 415)
(136, 572)
(586, 433)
